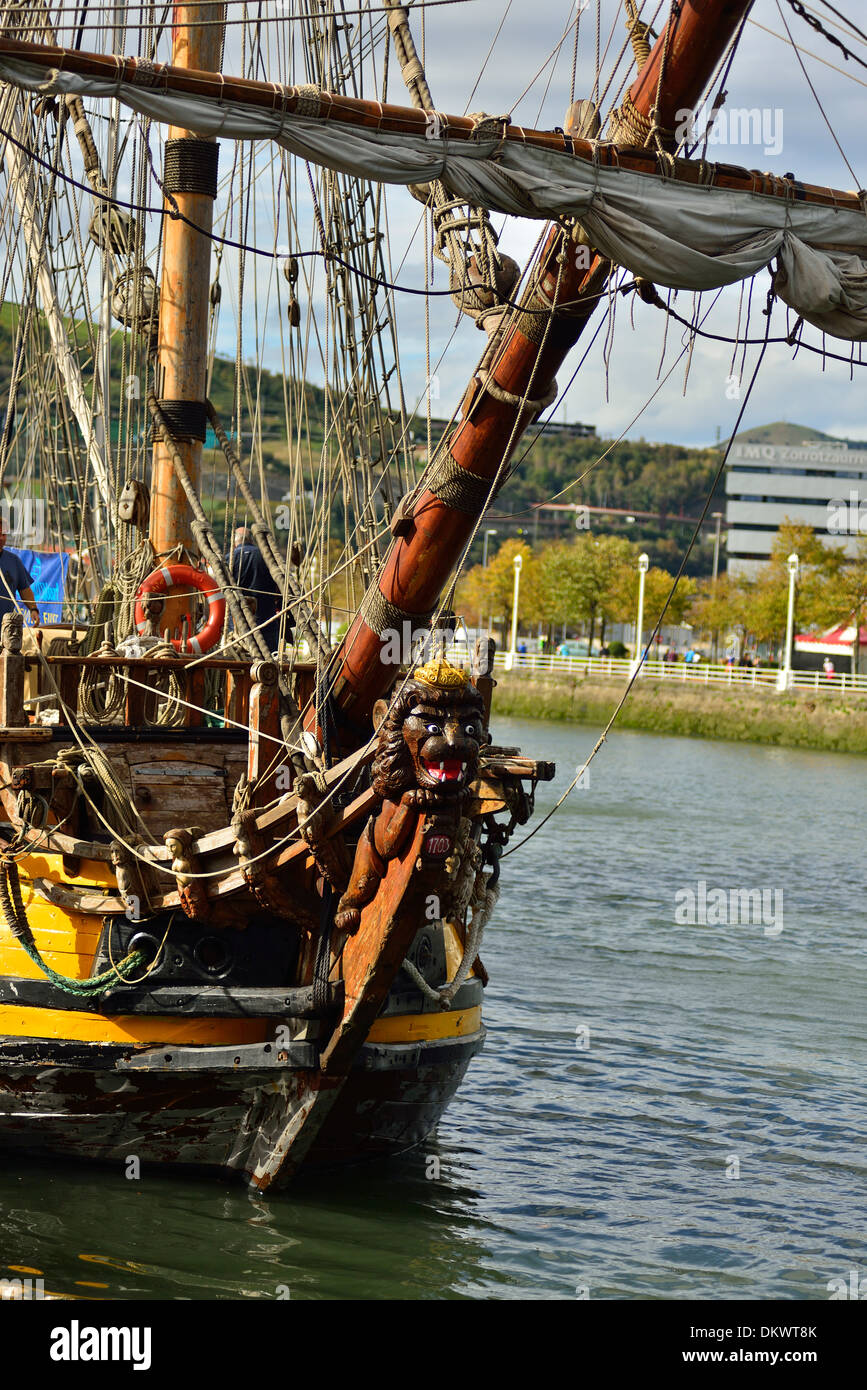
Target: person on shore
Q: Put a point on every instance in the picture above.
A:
(15, 578)
(253, 578)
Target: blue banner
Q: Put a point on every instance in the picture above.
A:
(49, 581)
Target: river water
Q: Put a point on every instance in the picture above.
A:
(664, 1108)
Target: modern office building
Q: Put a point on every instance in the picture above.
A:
(823, 484)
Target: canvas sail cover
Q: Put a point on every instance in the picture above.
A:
(680, 235)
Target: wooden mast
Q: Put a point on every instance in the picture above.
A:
(190, 179)
(421, 560)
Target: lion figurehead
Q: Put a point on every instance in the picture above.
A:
(431, 736)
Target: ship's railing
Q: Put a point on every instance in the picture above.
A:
(227, 705)
(686, 672)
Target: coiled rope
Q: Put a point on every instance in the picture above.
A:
(15, 917)
(101, 692)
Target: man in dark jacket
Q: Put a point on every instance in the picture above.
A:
(15, 578)
(251, 574)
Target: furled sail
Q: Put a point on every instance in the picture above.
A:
(676, 232)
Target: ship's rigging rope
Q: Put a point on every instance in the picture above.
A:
(849, 22)
(62, 262)
(351, 265)
(816, 97)
(521, 407)
(803, 13)
(261, 20)
(264, 539)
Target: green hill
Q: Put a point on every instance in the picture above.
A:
(268, 390)
(784, 432)
(780, 432)
(649, 492)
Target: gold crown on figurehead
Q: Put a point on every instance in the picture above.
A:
(440, 673)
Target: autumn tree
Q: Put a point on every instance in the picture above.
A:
(489, 591)
(657, 587)
(604, 564)
(843, 597)
(765, 597)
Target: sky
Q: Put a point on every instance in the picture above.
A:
(516, 56)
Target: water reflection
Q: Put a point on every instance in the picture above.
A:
(381, 1230)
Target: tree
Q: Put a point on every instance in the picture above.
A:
(717, 609)
(559, 580)
(657, 588)
(844, 595)
(471, 597)
(604, 563)
(766, 597)
(490, 590)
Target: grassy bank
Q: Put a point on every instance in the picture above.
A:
(799, 719)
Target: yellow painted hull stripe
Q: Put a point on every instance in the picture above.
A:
(23, 1022)
(409, 1028)
(93, 873)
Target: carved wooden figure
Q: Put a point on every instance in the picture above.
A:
(12, 672)
(427, 755)
(191, 890)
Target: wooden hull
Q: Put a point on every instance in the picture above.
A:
(93, 1103)
(181, 1072)
(200, 1000)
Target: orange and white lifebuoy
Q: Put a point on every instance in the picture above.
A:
(180, 576)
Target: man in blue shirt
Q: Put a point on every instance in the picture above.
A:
(252, 575)
(15, 578)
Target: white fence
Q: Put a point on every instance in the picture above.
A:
(687, 672)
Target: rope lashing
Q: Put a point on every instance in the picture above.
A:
(499, 393)
(485, 895)
(15, 917)
(641, 35)
(628, 125)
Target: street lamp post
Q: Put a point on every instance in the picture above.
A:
(717, 516)
(511, 653)
(784, 679)
(643, 567)
(491, 532)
